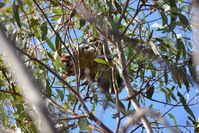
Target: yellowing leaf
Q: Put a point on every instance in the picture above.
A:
(101, 61)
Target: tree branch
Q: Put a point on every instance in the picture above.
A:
(91, 116)
(115, 39)
(28, 85)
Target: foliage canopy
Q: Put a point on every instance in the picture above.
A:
(155, 39)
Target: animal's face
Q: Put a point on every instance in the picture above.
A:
(67, 61)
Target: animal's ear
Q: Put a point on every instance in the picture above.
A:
(65, 58)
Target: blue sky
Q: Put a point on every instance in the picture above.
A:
(178, 112)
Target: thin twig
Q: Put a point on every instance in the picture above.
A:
(72, 117)
(115, 39)
(29, 87)
(123, 11)
(118, 124)
(91, 116)
(133, 18)
(10, 92)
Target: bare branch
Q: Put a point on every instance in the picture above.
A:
(143, 112)
(73, 117)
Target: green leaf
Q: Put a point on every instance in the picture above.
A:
(59, 64)
(191, 119)
(114, 116)
(172, 95)
(19, 108)
(50, 55)
(83, 124)
(50, 44)
(164, 18)
(129, 105)
(150, 91)
(82, 22)
(178, 56)
(174, 120)
(150, 35)
(121, 107)
(44, 31)
(71, 98)
(34, 128)
(93, 107)
(58, 44)
(173, 10)
(166, 76)
(15, 10)
(54, 2)
(61, 94)
(34, 22)
(192, 70)
(186, 107)
(109, 98)
(95, 97)
(183, 19)
(2, 4)
(48, 89)
(101, 61)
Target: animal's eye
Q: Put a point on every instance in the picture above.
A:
(68, 64)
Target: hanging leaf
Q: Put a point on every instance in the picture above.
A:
(82, 22)
(16, 13)
(58, 44)
(164, 18)
(61, 94)
(186, 107)
(173, 10)
(121, 107)
(44, 31)
(50, 44)
(165, 76)
(172, 95)
(48, 89)
(183, 19)
(174, 119)
(2, 4)
(150, 91)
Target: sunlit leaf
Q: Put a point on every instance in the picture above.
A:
(101, 61)
(50, 44)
